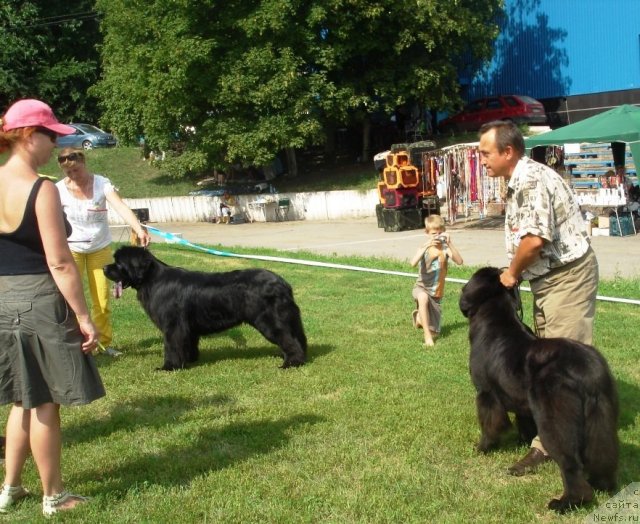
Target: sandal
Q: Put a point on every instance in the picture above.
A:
(60, 502)
(10, 495)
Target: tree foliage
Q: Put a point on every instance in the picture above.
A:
(49, 51)
(235, 81)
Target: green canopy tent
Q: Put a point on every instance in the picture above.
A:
(620, 126)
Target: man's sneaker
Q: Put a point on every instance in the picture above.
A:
(112, 352)
(10, 495)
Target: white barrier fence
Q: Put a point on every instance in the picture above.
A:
(324, 205)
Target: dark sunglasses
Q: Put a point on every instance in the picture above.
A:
(71, 157)
(53, 136)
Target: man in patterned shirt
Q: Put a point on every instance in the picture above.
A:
(547, 244)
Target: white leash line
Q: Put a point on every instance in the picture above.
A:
(178, 240)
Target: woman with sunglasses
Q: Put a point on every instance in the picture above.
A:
(46, 333)
(84, 199)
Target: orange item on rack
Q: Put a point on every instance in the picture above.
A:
(398, 159)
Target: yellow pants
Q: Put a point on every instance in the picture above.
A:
(99, 288)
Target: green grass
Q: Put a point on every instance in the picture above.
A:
(374, 429)
(133, 176)
(136, 178)
(330, 177)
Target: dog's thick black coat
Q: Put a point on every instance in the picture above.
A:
(558, 387)
(185, 305)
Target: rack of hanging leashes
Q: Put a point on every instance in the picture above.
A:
(462, 181)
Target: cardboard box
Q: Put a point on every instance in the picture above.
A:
(600, 232)
(603, 222)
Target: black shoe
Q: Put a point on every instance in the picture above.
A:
(529, 463)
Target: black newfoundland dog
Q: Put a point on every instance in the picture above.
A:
(185, 305)
(558, 388)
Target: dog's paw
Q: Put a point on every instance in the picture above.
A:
(485, 445)
(292, 364)
(559, 505)
(482, 449)
(168, 367)
(563, 504)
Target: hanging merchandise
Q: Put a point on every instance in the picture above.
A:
(463, 182)
(422, 179)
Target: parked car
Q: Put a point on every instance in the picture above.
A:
(517, 108)
(87, 136)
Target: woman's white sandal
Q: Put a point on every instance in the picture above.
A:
(55, 503)
(9, 495)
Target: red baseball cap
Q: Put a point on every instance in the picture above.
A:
(33, 113)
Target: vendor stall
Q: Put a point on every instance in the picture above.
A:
(463, 183)
(598, 164)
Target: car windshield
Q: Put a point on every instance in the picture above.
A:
(88, 128)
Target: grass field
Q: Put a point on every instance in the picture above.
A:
(133, 176)
(374, 429)
(137, 178)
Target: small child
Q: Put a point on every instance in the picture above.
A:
(432, 258)
(225, 213)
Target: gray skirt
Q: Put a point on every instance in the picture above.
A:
(41, 358)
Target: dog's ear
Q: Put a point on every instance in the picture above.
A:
(482, 286)
(464, 303)
(140, 267)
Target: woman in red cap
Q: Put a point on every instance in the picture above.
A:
(46, 333)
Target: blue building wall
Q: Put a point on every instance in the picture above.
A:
(555, 48)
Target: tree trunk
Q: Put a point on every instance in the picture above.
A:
(330, 143)
(366, 139)
(292, 163)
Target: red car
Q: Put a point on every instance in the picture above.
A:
(517, 108)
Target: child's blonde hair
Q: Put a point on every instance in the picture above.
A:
(434, 222)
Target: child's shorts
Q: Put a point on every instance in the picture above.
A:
(433, 307)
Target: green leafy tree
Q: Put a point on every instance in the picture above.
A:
(49, 51)
(379, 55)
(217, 83)
(199, 81)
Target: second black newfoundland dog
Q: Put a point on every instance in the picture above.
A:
(560, 388)
(185, 305)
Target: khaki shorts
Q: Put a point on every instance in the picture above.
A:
(41, 359)
(565, 300)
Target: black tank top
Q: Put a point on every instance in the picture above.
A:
(21, 252)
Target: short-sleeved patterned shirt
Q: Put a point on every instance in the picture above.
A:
(540, 203)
